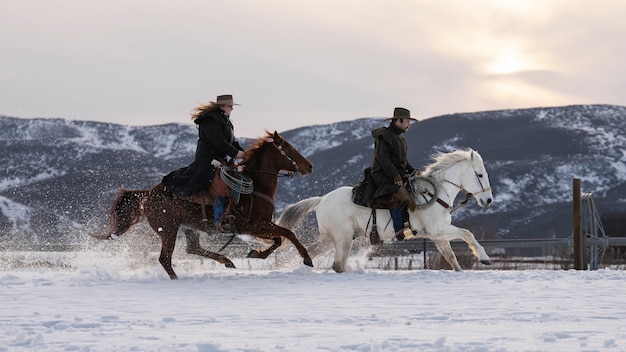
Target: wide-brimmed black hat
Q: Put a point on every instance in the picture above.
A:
(401, 113)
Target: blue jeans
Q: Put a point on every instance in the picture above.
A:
(218, 209)
(397, 216)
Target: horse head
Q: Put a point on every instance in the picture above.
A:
(288, 158)
(273, 152)
(475, 180)
(465, 171)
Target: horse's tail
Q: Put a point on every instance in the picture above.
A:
(126, 211)
(293, 213)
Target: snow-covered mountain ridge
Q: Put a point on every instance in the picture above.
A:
(61, 175)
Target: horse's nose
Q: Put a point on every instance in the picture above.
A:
(489, 201)
(310, 168)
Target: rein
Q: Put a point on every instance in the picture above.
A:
(468, 195)
(282, 152)
(284, 174)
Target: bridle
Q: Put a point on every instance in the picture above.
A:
(293, 162)
(482, 188)
(279, 147)
(290, 159)
(468, 195)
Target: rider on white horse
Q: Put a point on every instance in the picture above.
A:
(390, 168)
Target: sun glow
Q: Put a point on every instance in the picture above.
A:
(508, 61)
(505, 92)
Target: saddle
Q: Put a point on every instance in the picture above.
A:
(363, 195)
(227, 182)
(363, 192)
(218, 188)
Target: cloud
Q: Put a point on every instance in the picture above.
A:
(292, 64)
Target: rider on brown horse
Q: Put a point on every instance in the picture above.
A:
(216, 142)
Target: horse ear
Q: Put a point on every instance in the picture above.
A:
(276, 136)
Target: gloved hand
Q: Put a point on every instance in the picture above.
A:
(414, 174)
(398, 180)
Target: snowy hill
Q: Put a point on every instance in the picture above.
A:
(59, 176)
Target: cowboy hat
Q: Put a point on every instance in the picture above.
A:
(226, 99)
(401, 113)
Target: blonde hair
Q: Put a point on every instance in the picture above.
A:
(203, 109)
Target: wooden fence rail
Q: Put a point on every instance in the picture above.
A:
(387, 249)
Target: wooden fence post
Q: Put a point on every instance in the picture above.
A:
(579, 248)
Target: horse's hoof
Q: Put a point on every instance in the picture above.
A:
(486, 261)
(229, 265)
(253, 254)
(308, 262)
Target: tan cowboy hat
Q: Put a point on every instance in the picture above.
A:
(226, 99)
(401, 113)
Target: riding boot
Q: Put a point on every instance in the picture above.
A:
(401, 225)
(405, 233)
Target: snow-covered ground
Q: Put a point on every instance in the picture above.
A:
(124, 301)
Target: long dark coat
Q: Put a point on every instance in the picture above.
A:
(216, 140)
(390, 160)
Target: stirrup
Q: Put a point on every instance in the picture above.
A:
(405, 234)
(408, 233)
(224, 225)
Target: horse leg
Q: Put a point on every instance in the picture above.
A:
(303, 252)
(168, 242)
(193, 247)
(265, 253)
(342, 245)
(443, 245)
(273, 231)
(475, 247)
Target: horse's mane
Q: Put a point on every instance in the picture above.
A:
(251, 154)
(443, 161)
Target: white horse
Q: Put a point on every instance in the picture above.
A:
(341, 220)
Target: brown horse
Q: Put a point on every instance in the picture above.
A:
(253, 214)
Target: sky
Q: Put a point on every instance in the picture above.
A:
(299, 63)
(120, 299)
